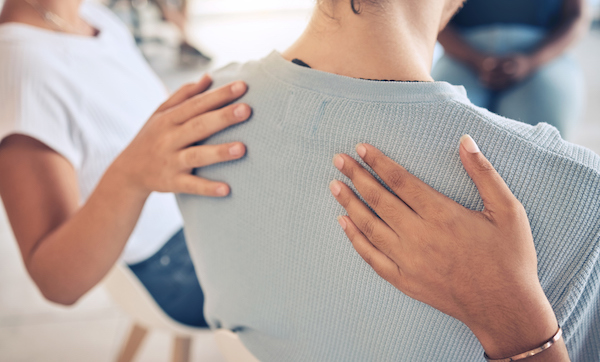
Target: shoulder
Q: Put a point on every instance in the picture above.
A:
(237, 71)
(542, 140)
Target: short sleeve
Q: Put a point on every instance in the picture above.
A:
(35, 101)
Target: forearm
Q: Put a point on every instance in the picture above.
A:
(572, 28)
(74, 257)
(520, 328)
(456, 47)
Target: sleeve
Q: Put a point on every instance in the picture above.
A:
(35, 102)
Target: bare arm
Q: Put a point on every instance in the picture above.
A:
(456, 47)
(478, 267)
(575, 21)
(500, 72)
(68, 249)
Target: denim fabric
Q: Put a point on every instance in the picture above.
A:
(170, 277)
(541, 13)
(553, 94)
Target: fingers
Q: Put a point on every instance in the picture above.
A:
(382, 265)
(419, 196)
(493, 190)
(208, 124)
(386, 205)
(201, 156)
(206, 102)
(373, 228)
(186, 92)
(193, 185)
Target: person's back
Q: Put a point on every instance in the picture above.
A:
(277, 268)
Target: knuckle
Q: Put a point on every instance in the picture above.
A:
(376, 160)
(397, 179)
(349, 168)
(367, 226)
(442, 216)
(191, 157)
(383, 244)
(199, 126)
(515, 209)
(344, 199)
(372, 197)
(484, 166)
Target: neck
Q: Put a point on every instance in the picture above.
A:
(22, 12)
(393, 42)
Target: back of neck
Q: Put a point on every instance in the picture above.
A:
(385, 44)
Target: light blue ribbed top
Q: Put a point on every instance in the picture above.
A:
(276, 266)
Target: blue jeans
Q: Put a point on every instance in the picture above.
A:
(170, 277)
(553, 94)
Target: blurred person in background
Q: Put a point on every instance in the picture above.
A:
(511, 56)
(76, 181)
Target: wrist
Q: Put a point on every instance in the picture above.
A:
(119, 176)
(515, 331)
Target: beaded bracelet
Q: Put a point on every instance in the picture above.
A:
(531, 353)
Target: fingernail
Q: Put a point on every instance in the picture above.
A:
(237, 87)
(469, 144)
(241, 112)
(342, 222)
(361, 150)
(335, 188)
(236, 150)
(222, 190)
(338, 162)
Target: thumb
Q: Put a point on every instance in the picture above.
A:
(493, 190)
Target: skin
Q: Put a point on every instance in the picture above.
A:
(504, 306)
(427, 245)
(499, 73)
(68, 248)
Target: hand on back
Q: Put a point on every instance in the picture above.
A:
(479, 267)
(162, 155)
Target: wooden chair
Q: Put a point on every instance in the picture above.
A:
(129, 293)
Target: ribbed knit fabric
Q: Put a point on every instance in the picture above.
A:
(276, 266)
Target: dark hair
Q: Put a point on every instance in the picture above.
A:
(355, 9)
(354, 4)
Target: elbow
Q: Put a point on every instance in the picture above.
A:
(54, 287)
(56, 291)
(59, 297)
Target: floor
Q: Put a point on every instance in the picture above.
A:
(34, 330)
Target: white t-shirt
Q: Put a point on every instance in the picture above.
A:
(86, 98)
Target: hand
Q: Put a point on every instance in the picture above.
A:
(498, 73)
(485, 66)
(478, 267)
(516, 67)
(161, 157)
